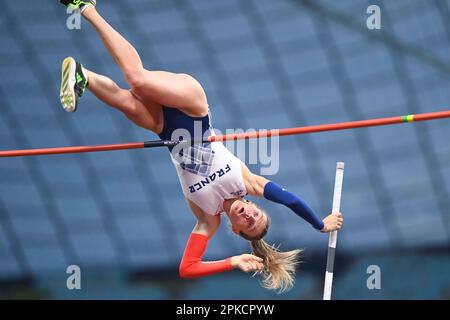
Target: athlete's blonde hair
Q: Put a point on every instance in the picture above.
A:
(279, 267)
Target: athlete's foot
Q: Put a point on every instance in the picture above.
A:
(74, 81)
(79, 4)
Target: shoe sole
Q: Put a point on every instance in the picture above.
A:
(67, 94)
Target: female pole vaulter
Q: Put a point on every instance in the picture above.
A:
(213, 180)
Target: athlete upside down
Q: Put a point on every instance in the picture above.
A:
(163, 102)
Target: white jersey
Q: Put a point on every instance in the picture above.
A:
(210, 175)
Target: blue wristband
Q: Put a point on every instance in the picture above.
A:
(275, 193)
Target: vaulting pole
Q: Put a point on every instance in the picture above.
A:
(333, 235)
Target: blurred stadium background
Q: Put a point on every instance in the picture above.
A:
(121, 217)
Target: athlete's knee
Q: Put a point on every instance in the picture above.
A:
(137, 80)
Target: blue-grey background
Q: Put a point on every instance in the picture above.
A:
(121, 216)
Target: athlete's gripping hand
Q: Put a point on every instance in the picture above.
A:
(247, 263)
(333, 222)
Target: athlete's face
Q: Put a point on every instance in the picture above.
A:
(247, 218)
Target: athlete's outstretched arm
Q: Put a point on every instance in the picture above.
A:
(192, 266)
(261, 187)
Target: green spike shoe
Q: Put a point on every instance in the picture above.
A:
(74, 82)
(78, 4)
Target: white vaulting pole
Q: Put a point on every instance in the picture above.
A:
(333, 235)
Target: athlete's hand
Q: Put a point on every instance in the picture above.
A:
(333, 222)
(247, 263)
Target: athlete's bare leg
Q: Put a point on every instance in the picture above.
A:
(165, 88)
(146, 116)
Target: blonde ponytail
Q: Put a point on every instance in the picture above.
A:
(279, 267)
